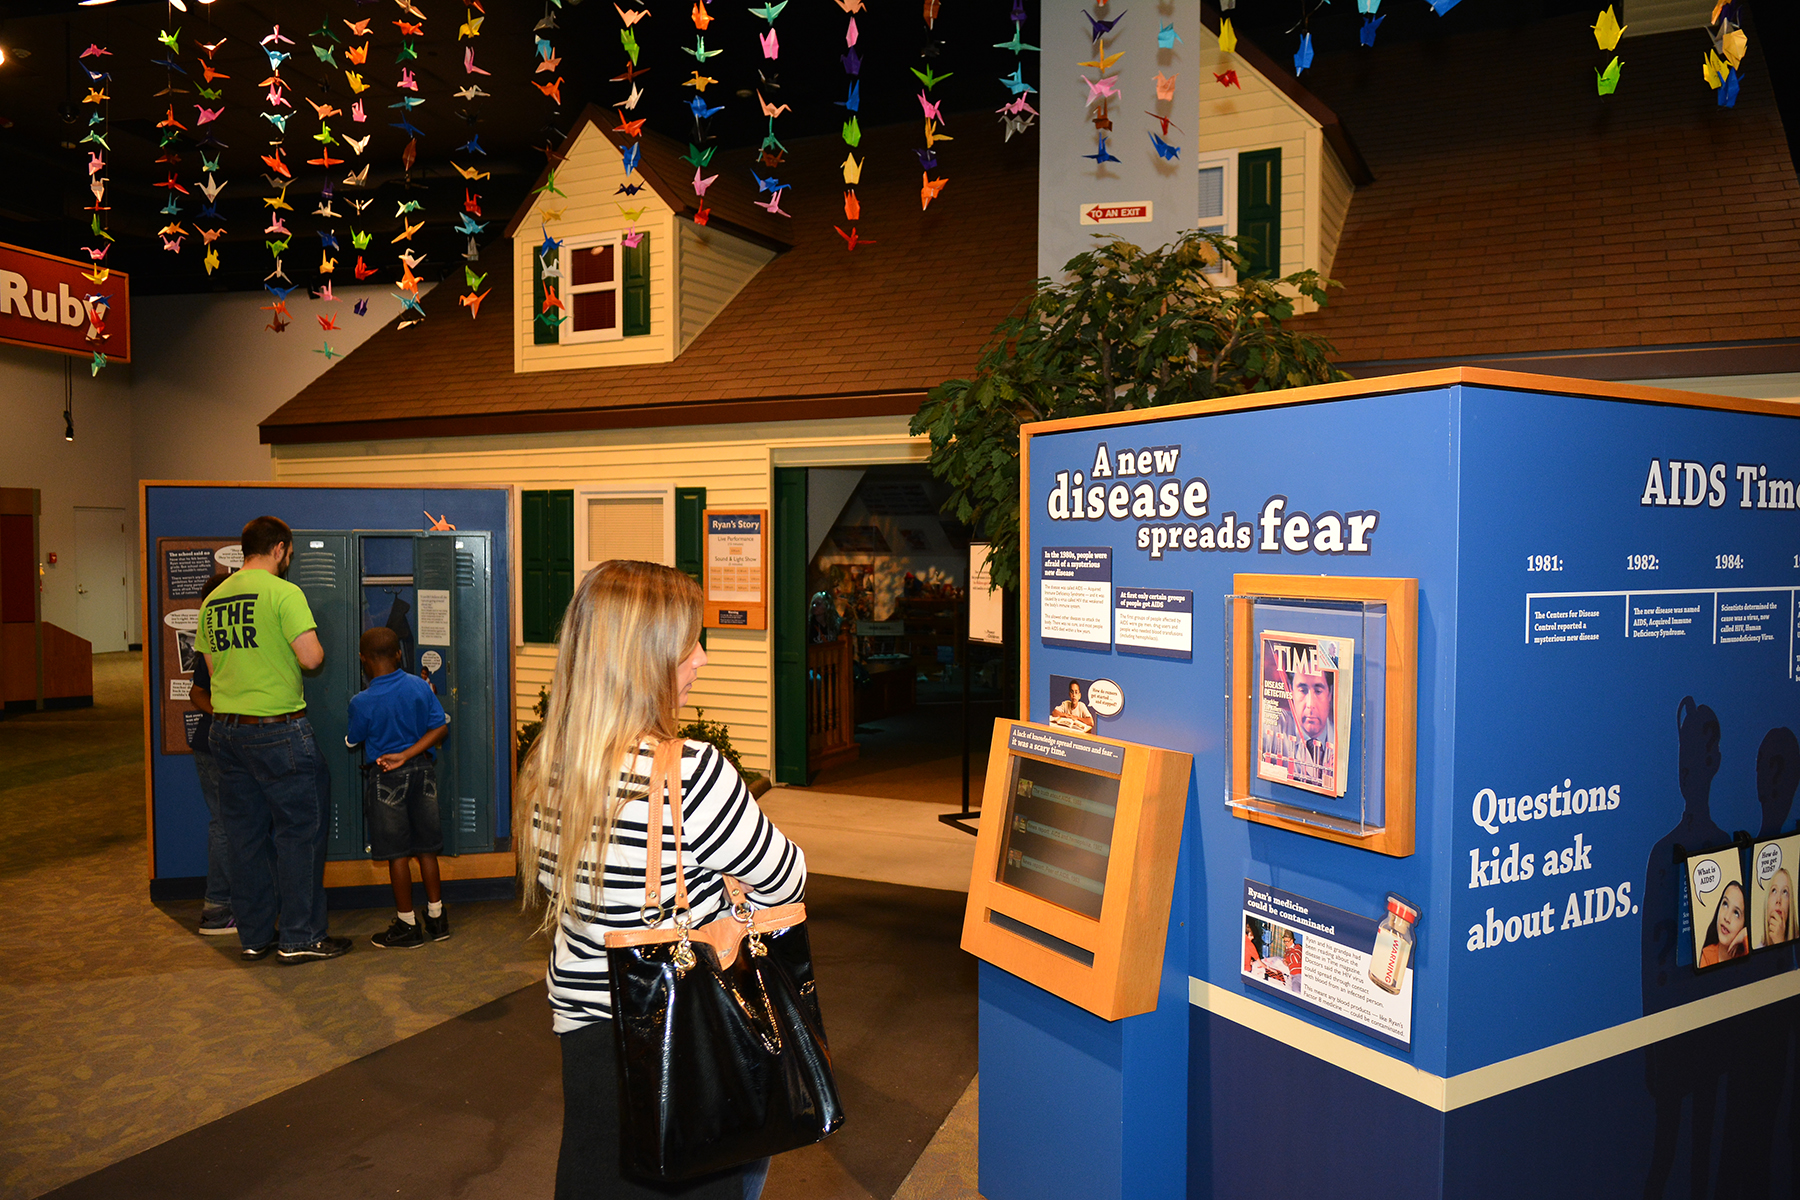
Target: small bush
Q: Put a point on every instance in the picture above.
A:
(714, 732)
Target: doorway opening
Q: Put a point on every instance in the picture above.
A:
(886, 590)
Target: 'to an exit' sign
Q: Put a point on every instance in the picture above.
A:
(1132, 212)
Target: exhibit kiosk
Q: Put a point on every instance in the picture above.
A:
(364, 557)
(1484, 883)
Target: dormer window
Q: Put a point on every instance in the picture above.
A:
(599, 286)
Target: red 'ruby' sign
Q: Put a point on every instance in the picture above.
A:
(59, 304)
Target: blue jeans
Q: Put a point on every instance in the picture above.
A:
(275, 800)
(218, 848)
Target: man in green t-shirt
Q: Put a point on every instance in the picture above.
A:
(258, 635)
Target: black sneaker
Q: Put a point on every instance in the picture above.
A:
(257, 953)
(216, 922)
(326, 947)
(437, 928)
(399, 935)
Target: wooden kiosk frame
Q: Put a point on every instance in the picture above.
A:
(1401, 722)
(1046, 943)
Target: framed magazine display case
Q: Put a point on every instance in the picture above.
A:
(1321, 694)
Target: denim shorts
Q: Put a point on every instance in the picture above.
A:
(401, 807)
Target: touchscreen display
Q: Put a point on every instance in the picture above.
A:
(1059, 828)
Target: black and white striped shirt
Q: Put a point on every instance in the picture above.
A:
(723, 833)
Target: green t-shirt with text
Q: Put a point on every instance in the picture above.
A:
(247, 625)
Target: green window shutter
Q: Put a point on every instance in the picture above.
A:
(690, 537)
(542, 332)
(547, 574)
(637, 288)
(1259, 211)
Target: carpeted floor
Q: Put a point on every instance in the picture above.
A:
(472, 1107)
(136, 1056)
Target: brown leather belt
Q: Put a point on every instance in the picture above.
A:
(241, 720)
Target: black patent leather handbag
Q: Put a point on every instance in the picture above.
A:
(722, 1052)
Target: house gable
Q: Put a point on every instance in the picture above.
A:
(689, 273)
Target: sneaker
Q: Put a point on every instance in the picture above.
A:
(326, 947)
(399, 935)
(437, 928)
(257, 953)
(216, 922)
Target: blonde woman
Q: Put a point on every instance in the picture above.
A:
(628, 653)
(1779, 922)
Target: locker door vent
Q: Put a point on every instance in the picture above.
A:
(465, 569)
(466, 823)
(315, 569)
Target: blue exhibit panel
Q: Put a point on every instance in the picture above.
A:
(1638, 558)
(1225, 475)
(221, 511)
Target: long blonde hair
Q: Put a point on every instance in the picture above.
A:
(627, 629)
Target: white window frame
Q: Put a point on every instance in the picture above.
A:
(585, 561)
(1228, 159)
(566, 333)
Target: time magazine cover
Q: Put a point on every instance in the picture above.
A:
(1303, 710)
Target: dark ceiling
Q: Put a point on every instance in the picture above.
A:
(43, 176)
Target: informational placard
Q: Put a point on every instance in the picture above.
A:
(184, 565)
(1303, 692)
(737, 568)
(1317, 957)
(434, 616)
(1154, 621)
(1066, 748)
(1075, 597)
(987, 604)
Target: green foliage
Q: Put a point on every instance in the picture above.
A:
(1131, 329)
(528, 732)
(702, 730)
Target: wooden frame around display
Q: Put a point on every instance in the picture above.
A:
(755, 615)
(1127, 940)
(1401, 697)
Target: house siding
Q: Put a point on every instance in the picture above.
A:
(1256, 116)
(734, 463)
(1335, 190)
(712, 268)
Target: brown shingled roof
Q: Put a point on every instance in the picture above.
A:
(818, 332)
(1515, 212)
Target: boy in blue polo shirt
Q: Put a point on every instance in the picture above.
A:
(397, 720)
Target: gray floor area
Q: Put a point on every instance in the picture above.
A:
(120, 1029)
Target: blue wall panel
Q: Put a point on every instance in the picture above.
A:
(222, 511)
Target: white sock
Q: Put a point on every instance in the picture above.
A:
(410, 917)
(434, 909)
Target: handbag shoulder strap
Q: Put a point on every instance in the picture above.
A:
(665, 779)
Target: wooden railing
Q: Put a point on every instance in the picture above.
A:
(830, 706)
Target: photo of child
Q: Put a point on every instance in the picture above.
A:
(1720, 907)
(1773, 866)
(1068, 704)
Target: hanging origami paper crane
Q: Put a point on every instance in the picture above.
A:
(1102, 156)
(1728, 91)
(929, 190)
(1227, 36)
(1017, 84)
(1605, 82)
(1101, 28)
(1607, 30)
(929, 78)
(1303, 57)
(851, 240)
(1366, 35)
(1166, 37)
(1164, 150)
